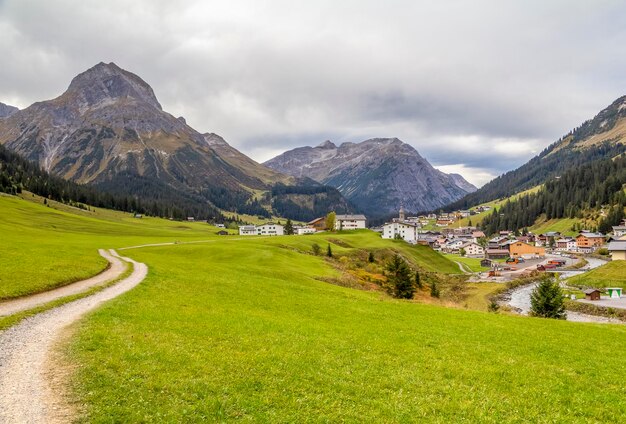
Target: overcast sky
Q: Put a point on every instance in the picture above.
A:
(477, 87)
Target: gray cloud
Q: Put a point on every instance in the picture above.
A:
(474, 86)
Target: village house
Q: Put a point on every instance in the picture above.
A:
(473, 250)
(318, 223)
(350, 222)
(247, 230)
(496, 242)
(619, 230)
(592, 294)
(270, 229)
(407, 231)
(589, 242)
(496, 253)
(301, 230)
(546, 238)
(518, 249)
(452, 246)
(617, 248)
(565, 244)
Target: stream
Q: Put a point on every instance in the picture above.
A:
(520, 297)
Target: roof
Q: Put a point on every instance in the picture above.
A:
(350, 217)
(617, 245)
(591, 235)
(247, 227)
(317, 220)
(589, 291)
(619, 227)
(503, 251)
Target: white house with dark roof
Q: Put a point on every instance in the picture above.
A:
(270, 229)
(617, 248)
(350, 222)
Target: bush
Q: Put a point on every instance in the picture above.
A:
(603, 251)
(434, 290)
(316, 249)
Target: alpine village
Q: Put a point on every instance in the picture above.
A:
(151, 271)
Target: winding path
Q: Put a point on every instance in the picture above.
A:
(115, 269)
(26, 394)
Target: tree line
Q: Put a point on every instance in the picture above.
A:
(584, 187)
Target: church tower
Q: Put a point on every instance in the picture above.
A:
(401, 214)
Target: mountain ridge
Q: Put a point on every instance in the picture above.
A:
(108, 129)
(378, 175)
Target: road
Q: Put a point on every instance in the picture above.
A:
(26, 392)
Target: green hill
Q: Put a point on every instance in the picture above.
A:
(613, 274)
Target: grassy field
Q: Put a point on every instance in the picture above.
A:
(472, 263)
(44, 247)
(563, 226)
(613, 274)
(243, 329)
(246, 332)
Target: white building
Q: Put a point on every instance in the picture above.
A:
(405, 230)
(474, 250)
(566, 244)
(247, 230)
(350, 222)
(303, 230)
(619, 231)
(270, 229)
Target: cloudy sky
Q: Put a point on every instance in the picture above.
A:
(477, 87)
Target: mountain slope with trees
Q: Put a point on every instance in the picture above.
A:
(602, 137)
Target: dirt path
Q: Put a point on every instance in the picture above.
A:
(26, 395)
(115, 269)
(464, 268)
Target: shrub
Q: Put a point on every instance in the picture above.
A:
(316, 249)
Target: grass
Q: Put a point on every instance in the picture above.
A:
(563, 226)
(243, 329)
(479, 295)
(472, 263)
(251, 335)
(46, 247)
(612, 274)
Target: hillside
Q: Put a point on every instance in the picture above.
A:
(596, 186)
(7, 110)
(603, 137)
(109, 130)
(376, 175)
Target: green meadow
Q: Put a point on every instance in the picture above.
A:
(248, 329)
(612, 274)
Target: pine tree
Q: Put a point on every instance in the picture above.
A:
(329, 251)
(288, 227)
(547, 300)
(434, 290)
(399, 276)
(418, 281)
(371, 258)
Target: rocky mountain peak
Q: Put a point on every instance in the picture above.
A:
(107, 81)
(6, 110)
(327, 145)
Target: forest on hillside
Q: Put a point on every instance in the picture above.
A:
(549, 164)
(597, 185)
(17, 174)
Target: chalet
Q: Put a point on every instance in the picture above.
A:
(270, 229)
(138, 215)
(546, 238)
(592, 294)
(222, 233)
(486, 263)
(589, 242)
(444, 221)
(504, 233)
(565, 244)
(318, 223)
(190, 218)
(497, 253)
(526, 239)
(350, 222)
(474, 250)
(247, 230)
(453, 246)
(518, 248)
(617, 248)
(497, 242)
(477, 234)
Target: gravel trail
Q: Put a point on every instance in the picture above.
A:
(115, 269)
(26, 395)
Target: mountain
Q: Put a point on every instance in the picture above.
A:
(600, 138)
(376, 175)
(6, 110)
(109, 130)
